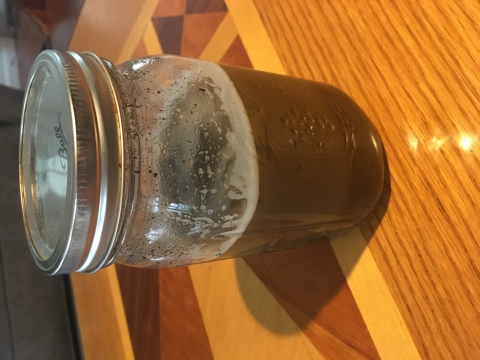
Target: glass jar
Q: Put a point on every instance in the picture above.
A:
(168, 161)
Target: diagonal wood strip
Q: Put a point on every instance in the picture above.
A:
(125, 27)
(260, 49)
(233, 331)
(133, 38)
(150, 40)
(309, 284)
(380, 313)
(221, 40)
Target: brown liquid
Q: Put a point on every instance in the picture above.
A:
(193, 171)
(319, 156)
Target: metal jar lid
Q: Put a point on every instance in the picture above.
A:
(71, 162)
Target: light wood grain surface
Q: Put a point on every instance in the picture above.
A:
(403, 285)
(103, 326)
(413, 68)
(112, 28)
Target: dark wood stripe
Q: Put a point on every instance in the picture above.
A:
(62, 17)
(198, 29)
(236, 55)
(205, 6)
(169, 31)
(29, 41)
(183, 334)
(140, 294)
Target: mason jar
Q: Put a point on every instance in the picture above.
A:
(169, 161)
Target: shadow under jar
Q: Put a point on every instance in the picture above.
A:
(169, 161)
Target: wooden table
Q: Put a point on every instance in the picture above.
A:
(405, 283)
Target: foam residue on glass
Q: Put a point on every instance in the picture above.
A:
(195, 165)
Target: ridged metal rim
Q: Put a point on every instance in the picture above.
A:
(95, 173)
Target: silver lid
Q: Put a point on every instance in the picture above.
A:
(71, 162)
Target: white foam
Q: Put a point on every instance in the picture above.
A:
(245, 171)
(172, 78)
